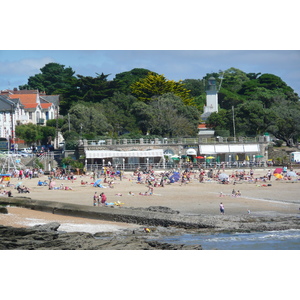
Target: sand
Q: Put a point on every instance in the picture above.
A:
(280, 197)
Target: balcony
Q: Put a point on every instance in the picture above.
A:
(40, 121)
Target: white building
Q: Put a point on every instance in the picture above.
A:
(24, 107)
(211, 98)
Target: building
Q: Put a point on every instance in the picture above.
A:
(19, 107)
(211, 106)
(38, 106)
(211, 99)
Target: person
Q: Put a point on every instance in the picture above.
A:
(269, 175)
(95, 199)
(222, 209)
(233, 193)
(103, 198)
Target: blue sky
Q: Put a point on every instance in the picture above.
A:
(17, 65)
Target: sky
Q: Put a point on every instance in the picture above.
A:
(16, 66)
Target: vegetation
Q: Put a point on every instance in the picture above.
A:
(141, 102)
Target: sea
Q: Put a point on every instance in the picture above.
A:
(268, 240)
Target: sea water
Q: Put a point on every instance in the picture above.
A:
(268, 240)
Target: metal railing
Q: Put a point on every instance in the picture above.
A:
(176, 166)
(188, 141)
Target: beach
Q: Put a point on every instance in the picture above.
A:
(260, 198)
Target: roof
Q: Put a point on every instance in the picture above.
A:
(202, 126)
(28, 100)
(45, 105)
(51, 98)
(6, 104)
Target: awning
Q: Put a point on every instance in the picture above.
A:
(251, 148)
(236, 148)
(104, 153)
(229, 148)
(222, 148)
(191, 151)
(207, 149)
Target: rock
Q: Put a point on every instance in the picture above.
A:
(162, 209)
(3, 210)
(34, 239)
(53, 226)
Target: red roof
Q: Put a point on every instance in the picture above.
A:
(202, 126)
(46, 105)
(28, 100)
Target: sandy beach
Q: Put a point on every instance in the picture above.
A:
(259, 198)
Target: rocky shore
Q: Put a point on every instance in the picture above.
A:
(47, 237)
(162, 221)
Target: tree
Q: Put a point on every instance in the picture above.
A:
(86, 120)
(170, 117)
(155, 85)
(287, 121)
(268, 82)
(219, 120)
(29, 133)
(252, 118)
(95, 89)
(118, 109)
(233, 79)
(52, 79)
(32, 134)
(126, 79)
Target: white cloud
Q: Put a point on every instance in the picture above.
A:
(24, 67)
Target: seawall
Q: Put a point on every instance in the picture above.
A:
(109, 213)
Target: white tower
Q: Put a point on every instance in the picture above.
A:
(211, 96)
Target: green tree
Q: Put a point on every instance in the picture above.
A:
(268, 82)
(52, 79)
(287, 121)
(34, 134)
(118, 109)
(143, 115)
(252, 118)
(233, 79)
(95, 89)
(155, 85)
(219, 120)
(86, 120)
(125, 79)
(170, 117)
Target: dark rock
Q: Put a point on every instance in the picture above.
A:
(3, 210)
(53, 226)
(34, 239)
(162, 209)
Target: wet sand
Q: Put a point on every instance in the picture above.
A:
(260, 198)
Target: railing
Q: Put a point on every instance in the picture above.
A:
(176, 166)
(187, 141)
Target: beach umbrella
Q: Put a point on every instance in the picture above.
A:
(236, 157)
(278, 176)
(278, 171)
(259, 156)
(199, 157)
(175, 157)
(18, 184)
(223, 176)
(210, 157)
(291, 173)
(247, 158)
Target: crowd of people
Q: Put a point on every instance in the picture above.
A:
(147, 178)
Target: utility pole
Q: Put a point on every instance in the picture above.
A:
(233, 122)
